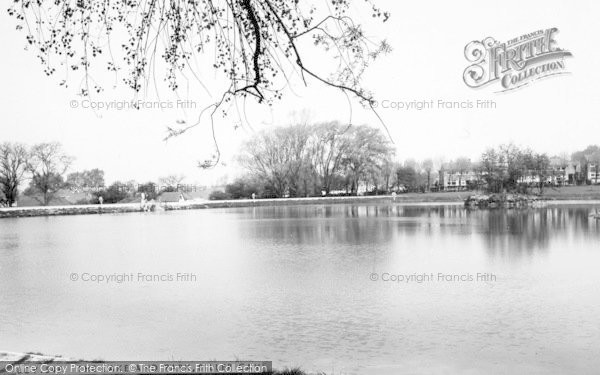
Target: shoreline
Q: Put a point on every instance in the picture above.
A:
(420, 199)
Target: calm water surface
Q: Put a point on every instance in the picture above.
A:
(294, 285)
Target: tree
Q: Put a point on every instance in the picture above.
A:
(539, 164)
(507, 168)
(91, 179)
(512, 159)
(491, 170)
(261, 158)
(406, 176)
(13, 165)
(277, 157)
(559, 165)
(242, 188)
(461, 166)
(46, 185)
(94, 178)
(326, 156)
(149, 189)
(366, 155)
(585, 158)
(171, 182)
(131, 187)
(387, 172)
(428, 167)
(294, 142)
(75, 181)
(329, 145)
(258, 45)
(113, 194)
(47, 163)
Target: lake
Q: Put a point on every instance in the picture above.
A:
(344, 289)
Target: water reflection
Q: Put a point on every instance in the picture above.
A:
(291, 284)
(501, 230)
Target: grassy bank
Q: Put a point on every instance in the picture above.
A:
(587, 192)
(577, 193)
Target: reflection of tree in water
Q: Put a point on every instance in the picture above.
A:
(353, 224)
(504, 231)
(524, 231)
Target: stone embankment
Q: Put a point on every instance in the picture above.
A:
(504, 201)
(68, 210)
(195, 205)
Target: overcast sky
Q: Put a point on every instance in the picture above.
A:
(554, 115)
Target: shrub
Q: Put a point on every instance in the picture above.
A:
(242, 188)
(113, 194)
(149, 190)
(219, 195)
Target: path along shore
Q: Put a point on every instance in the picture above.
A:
(410, 198)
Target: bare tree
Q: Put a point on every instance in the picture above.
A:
(287, 159)
(277, 157)
(329, 145)
(387, 173)
(365, 158)
(13, 165)
(47, 163)
(428, 167)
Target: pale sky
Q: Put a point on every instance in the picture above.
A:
(554, 115)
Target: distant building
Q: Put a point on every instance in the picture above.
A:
(455, 181)
(564, 172)
(559, 174)
(593, 174)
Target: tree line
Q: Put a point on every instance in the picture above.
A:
(328, 159)
(312, 160)
(45, 167)
(306, 160)
(512, 168)
(334, 159)
(44, 164)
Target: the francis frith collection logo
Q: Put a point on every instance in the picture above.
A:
(515, 63)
